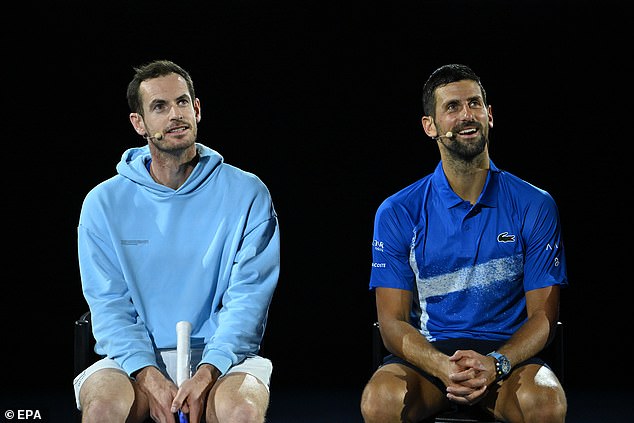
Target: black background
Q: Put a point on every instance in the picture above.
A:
(322, 101)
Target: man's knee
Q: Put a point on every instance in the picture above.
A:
(380, 404)
(238, 398)
(543, 405)
(106, 390)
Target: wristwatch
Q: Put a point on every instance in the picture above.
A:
(502, 365)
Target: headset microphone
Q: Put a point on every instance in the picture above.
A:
(158, 136)
(447, 135)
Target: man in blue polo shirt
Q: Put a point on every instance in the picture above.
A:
(467, 268)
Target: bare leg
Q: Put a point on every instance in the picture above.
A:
(237, 398)
(532, 394)
(109, 396)
(397, 393)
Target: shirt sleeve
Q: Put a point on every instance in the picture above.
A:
(545, 261)
(118, 331)
(241, 320)
(393, 236)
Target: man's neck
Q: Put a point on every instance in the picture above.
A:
(172, 170)
(467, 179)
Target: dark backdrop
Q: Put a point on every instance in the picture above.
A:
(322, 101)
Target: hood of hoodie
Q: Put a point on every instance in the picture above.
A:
(133, 166)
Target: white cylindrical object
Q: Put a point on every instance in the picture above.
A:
(183, 351)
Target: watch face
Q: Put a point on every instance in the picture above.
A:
(505, 365)
(502, 364)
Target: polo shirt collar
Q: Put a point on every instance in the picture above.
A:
(450, 199)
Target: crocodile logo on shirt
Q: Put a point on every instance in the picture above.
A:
(505, 237)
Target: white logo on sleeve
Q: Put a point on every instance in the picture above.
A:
(378, 245)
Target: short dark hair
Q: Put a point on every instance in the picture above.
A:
(446, 75)
(151, 70)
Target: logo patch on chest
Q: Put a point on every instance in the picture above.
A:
(505, 237)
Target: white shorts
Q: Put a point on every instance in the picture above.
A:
(259, 367)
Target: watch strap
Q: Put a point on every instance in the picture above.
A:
(502, 365)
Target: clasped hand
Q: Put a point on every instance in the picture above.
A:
(165, 398)
(468, 376)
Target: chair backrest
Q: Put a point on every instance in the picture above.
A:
(82, 346)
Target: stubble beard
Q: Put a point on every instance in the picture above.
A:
(465, 151)
(175, 149)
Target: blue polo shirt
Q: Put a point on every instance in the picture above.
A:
(468, 266)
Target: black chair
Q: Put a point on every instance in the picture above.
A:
(553, 354)
(84, 346)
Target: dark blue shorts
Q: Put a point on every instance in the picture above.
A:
(449, 346)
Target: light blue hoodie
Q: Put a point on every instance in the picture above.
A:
(151, 256)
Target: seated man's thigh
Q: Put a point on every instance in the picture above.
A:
(530, 388)
(397, 385)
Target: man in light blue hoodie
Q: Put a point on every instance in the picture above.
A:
(176, 235)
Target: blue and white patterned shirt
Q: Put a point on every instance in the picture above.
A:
(468, 266)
